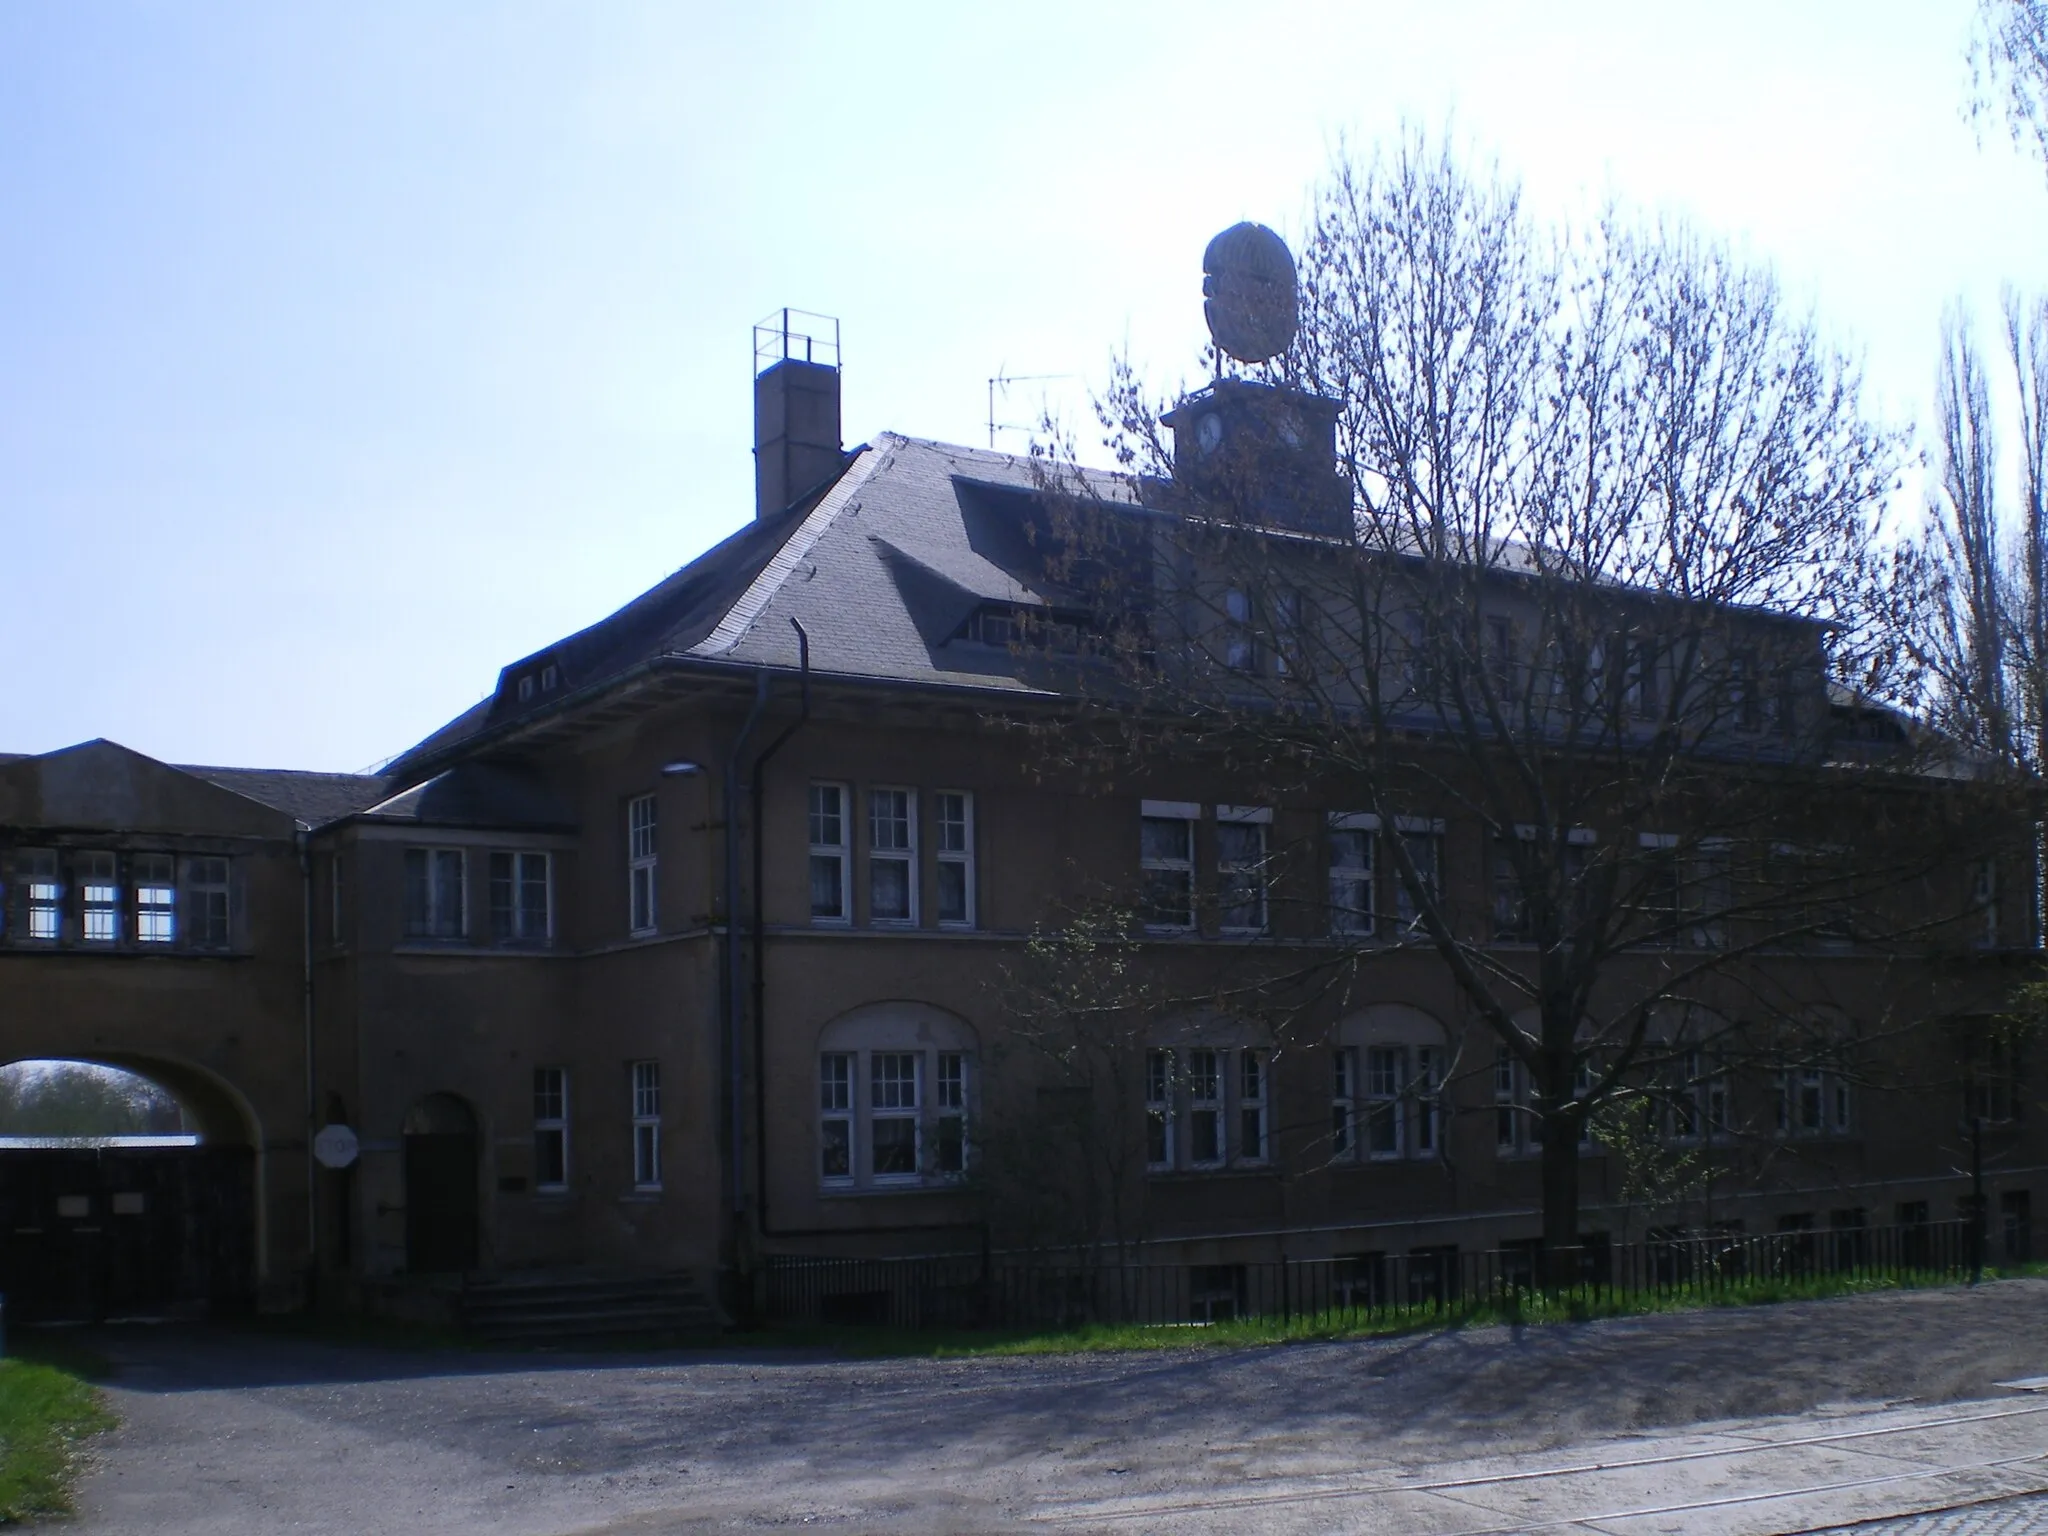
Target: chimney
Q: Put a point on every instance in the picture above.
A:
(796, 408)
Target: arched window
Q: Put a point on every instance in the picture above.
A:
(896, 1090)
(1387, 1072)
(1208, 1098)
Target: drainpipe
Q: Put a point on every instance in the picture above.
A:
(803, 648)
(734, 1012)
(312, 1106)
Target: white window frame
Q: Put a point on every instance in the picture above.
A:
(1254, 1082)
(516, 879)
(1344, 1140)
(207, 898)
(42, 883)
(98, 876)
(1429, 831)
(1347, 922)
(436, 925)
(551, 1119)
(643, 865)
(838, 1071)
(1190, 814)
(886, 852)
(820, 820)
(154, 877)
(645, 1088)
(950, 1085)
(1208, 1067)
(1384, 1097)
(896, 1113)
(954, 836)
(1259, 817)
(1160, 1120)
(1240, 634)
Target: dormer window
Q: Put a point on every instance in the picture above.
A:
(550, 675)
(1034, 629)
(526, 688)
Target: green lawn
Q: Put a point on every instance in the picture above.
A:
(45, 1410)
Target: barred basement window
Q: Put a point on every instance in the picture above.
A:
(647, 1125)
(156, 898)
(99, 893)
(550, 1128)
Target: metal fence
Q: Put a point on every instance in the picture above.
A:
(982, 1291)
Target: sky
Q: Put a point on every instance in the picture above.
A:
(351, 351)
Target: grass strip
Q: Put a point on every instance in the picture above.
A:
(44, 1412)
(1515, 1310)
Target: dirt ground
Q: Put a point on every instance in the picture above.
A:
(228, 1432)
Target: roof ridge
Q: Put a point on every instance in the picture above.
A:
(740, 617)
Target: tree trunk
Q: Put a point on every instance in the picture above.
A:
(1560, 1198)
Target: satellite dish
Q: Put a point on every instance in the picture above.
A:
(1253, 306)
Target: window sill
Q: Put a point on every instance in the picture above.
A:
(952, 1186)
(648, 1195)
(1209, 1171)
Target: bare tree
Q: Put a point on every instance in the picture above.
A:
(1600, 548)
(2009, 65)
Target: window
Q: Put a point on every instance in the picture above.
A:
(1813, 1101)
(433, 893)
(336, 886)
(99, 892)
(895, 1100)
(642, 860)
(1159, 1117)
(647, 1125)
(955, 816)
(830, 897)
(1510, 903)
(1205, 1108)
(1745, 702)
(1386, 1074)
(892, 856)
(1644, 695)
(1193, 1100)
(1240, 647)
(45, 893)
(835, 1123)
(1508, 1127)
(1500, 656)
(1241, 866)
(1422, 840)
(206, 903)
(156, 898)
(1251, 1106)
(893, 1129)
(950, 1141)
(550, 1128)
(1351, 872)
(1696, 1098)
(1984, 902)
(1167, 857)
(550, 675)
(526, 688)
(1683, 898)
(1288, 634)
(1343, 1104)
(1425, 1087)
(520, 909)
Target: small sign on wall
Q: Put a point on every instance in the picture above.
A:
(336, 1146)
(74, 1207)
(128, 1202)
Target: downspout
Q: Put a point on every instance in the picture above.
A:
(803, 646)
(312, 1104)
(734, 1022)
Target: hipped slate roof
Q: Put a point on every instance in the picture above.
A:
(882, 570)
(478, 795)
(312, 798)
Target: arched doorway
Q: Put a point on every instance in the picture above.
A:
(440, 1185)
(128, 1188)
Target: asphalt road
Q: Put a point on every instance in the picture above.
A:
(1770, 1419)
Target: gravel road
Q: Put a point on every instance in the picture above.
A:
(238, 1432)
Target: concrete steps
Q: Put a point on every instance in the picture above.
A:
(544, 1308)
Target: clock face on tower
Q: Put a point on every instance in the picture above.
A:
(1209, 432)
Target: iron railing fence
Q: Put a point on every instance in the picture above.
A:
(981, 1291)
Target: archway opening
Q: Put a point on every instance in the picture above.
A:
(88, 1103)
(128, 1188)
(440, 1142)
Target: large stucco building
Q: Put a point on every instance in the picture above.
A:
(699, 940)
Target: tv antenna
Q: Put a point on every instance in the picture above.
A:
(1003, 381)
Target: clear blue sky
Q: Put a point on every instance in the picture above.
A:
(350, 351)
